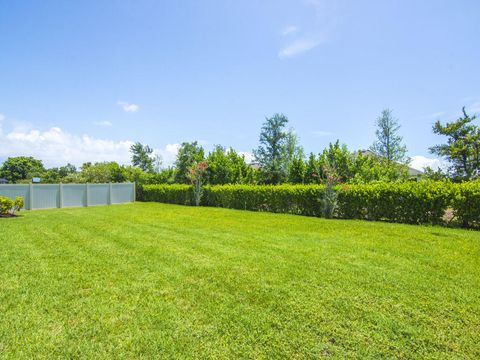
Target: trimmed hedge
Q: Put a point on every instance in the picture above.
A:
(291, 199)
(466, 204)
(406, 202)
(171, 194)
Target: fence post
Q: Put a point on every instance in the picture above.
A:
(30, 195)
(60, 195)
(109, 193)
(87, 195)
(134, 191)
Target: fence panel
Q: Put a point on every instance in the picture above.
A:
(46, 196)
(122, 193)
(74, 195)
(98, 194)
(14, 190)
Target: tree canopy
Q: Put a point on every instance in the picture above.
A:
(462, 148)
(189, 154)
(142, 157)
(270, 154)
(388, 143)
(19, 168)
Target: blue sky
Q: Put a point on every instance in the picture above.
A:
(81, 80)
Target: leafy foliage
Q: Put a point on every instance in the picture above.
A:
(142, 157)
(467, 203)
(407, 202)
(424, 202)
(270, 154)
(19, 168)
(197, 176)
(58, 174)
(180, 194)
(462, 149)
(188, 155)
(329, 198)
(350, 167)
(297, 171)
(389, 143)
(9, 206)
(226, 166)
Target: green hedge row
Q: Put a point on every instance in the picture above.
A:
(292, 199)
(407, 202)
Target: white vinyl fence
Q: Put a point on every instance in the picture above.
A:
(45, 196)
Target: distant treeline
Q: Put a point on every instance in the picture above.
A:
(278, 159)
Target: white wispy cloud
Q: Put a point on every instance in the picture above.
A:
(128, 107)
(2, 117)
(325, 15)
(322, 133)
(103, 123)
(57, 147)
(420, 162)
(298, 47)
(289, 30)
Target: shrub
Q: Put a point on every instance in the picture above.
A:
(18, 204)
(466, 204)
(9, 206)
(197, 176)
(423, 202)
(173, 194)
(292, 199)
(406, 202)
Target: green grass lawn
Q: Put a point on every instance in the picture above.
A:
(152, 280)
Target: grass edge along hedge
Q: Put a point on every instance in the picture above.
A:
(406, 202)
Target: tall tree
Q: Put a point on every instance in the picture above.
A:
(189, 154)
(389, 143)
(142, 157)
(19, 168)
(462, 149)
(271, 151)
(291, 150)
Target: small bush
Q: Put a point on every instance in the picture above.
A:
(9, 207)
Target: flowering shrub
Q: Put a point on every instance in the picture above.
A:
(197, 176)
(330, 196)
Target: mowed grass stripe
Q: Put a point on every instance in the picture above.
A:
(157, 280)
